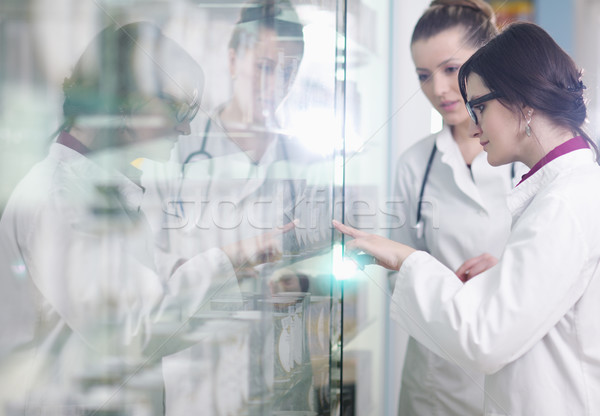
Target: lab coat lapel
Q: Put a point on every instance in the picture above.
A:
(253, 175)
(109, 198)
(522, 195)
(452, 157)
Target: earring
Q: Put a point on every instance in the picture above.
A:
(528, 127)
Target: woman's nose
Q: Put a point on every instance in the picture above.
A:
(440, 85)
(474, 129)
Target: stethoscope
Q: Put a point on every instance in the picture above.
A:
(200, 152)
(419, 223)
(208, 156)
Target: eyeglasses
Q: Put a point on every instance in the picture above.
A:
(184, 111)
(477, 101)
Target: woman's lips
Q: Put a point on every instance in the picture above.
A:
(449, 105)
(484, 143)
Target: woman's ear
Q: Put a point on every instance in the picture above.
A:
(528, 114)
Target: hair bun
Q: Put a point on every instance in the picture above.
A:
(577, 87)
(477, 5)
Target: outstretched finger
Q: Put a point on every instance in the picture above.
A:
(345, 229)
(287, 227)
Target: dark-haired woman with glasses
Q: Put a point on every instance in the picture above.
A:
(530, 322)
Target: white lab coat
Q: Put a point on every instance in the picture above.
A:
(464, 214)
(531, 322)
(226, 197)
(82, 291)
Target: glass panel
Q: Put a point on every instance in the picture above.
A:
(168, 184)
(366, 128)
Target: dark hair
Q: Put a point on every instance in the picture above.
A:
(528, 68)
(123, 67)
(475, 16)
(276, 15)
(304, 282)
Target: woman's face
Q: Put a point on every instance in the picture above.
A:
(263, 75)
(437, 61)
(498, 128)
(154, 126)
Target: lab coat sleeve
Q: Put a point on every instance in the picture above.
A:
(498, 316)
(100, 276)
(89, 277)
(188, 286)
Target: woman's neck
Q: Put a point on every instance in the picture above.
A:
(468, 145)
(540, 144)
(83, 136)
(106, 156)
(231, 114)
(252, 138)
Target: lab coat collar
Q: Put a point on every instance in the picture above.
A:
(225, 145)
(86, 169)
(230, 162)
(451, 156)
(520, 197)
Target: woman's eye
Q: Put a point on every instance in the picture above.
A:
(265, 67)
(479, 108)
(452, 69)
(423, 77)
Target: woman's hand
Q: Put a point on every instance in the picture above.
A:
(475, 266)
(387, 253)
(263, 248)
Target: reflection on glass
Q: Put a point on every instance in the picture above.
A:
(146, 267)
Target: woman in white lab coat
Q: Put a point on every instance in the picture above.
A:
(84, 292)
(530, 322)
(243, 173)
(448, 193)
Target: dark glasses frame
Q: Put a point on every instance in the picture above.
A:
(181, 110)
(477, 101)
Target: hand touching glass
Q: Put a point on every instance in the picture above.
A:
(387, 253)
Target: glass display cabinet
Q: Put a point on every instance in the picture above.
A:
(169, 249)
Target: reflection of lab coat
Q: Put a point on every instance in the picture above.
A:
(531, 322)
(81, 295)
(464, 214)
(226, 197)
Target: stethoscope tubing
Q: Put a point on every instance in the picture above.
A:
(208, 156)
(419, 222)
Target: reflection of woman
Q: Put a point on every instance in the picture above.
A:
(530, 322)
(265, 51)
(451, 192)
(78, 273)
(242, 174)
